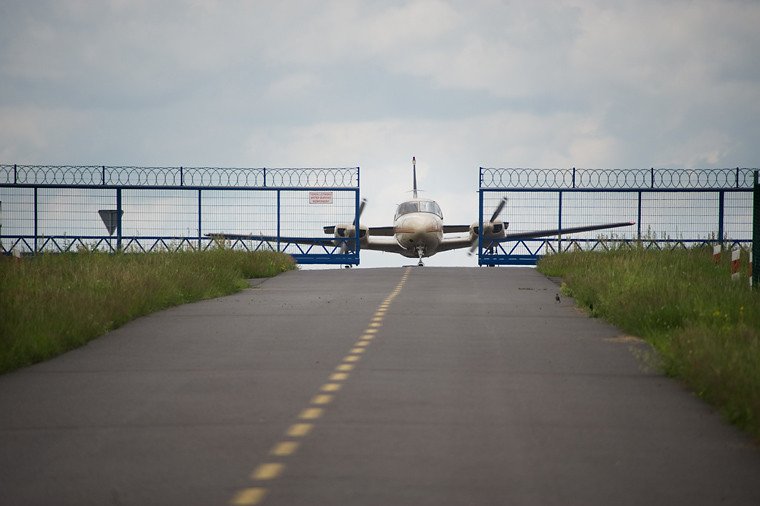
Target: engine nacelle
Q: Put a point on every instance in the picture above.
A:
(491, 230)
(348, 231)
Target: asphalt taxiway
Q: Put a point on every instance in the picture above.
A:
(404, 386)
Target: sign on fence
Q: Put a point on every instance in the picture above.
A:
(325, 198)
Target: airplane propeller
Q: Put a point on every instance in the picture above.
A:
(499, 209)
(361, 209)
(494, 217)
(344, 246)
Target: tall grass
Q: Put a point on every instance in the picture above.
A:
(55, 302)
(702, 324)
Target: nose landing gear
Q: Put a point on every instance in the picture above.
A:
(420, 253)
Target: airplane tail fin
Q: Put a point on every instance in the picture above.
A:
(414, 171)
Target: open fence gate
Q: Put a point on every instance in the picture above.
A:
(670, 207)
(145, 209)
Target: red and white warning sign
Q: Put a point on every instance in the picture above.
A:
(321, 198)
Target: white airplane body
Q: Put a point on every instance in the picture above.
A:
(418, 231)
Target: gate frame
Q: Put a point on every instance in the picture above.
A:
(561, 181)
(321, 250)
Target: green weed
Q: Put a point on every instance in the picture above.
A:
(702, 324)
(52, 303)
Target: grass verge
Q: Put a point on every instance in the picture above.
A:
(55, 302)
(702, 324)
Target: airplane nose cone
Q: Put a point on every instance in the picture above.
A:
(417, 231)
(412, 227)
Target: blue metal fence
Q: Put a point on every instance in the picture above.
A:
(670, 208)
(142, 209)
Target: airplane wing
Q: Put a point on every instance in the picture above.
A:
(450, 243)
(389, 231)
(534, 234)
(326, 242)
(373, 231)
(381, 231)
(454, 229)
(387, 244)
(380, 239)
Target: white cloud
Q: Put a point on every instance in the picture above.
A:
(459, 84)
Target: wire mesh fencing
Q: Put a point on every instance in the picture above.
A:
(65, 208)
(668, 208)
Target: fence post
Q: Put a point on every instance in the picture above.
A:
(119, 212)
(638, 220)
(278, 219)
(480, 221)
(36, 220)
(755, 230)
(721, 214)
(559, 225)
(199, 220)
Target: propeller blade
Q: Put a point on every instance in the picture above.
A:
(499, 209)
(494, 216)
(362, 205)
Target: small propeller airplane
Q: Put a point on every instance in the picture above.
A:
(418, 230)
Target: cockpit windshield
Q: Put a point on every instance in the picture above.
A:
(419, 206)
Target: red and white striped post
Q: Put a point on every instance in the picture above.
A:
(735, 263)
(750, 268)
(716, 254)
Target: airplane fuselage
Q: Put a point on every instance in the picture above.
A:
(418, 228)
(418, 232)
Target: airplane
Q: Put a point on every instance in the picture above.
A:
(418, 230)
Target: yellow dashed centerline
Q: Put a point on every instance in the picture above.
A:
(271, 470)
(249, 496)
(284, 448)
(268, 471)
(299, 429)
(311, 413)
(322, 399)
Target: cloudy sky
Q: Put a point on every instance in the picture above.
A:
(458, 84)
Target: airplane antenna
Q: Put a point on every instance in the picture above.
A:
(414, 171)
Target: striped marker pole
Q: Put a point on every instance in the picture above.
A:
(750, 268)
(716, 254)
(735, 262)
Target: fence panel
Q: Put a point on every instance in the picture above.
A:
(669, 207)
(64, 208)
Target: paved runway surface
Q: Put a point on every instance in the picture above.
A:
(418, 386)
